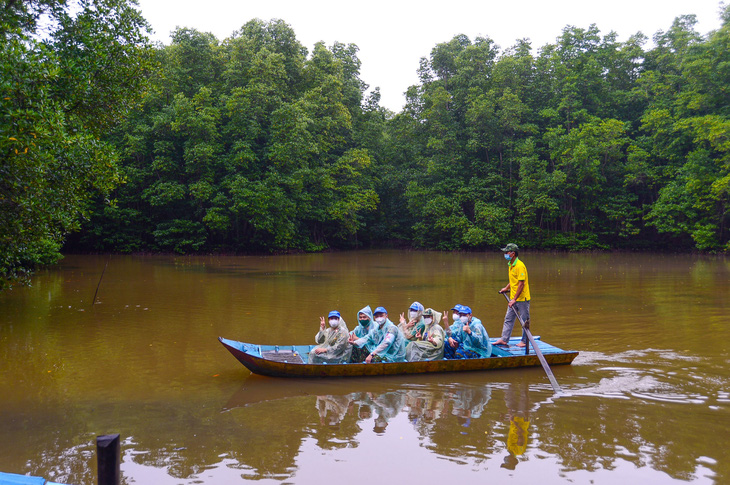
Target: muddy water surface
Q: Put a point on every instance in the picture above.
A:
(647, 400)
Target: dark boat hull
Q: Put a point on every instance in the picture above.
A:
(251, 356)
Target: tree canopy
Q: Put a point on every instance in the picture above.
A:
(66, 76)
(246, 144)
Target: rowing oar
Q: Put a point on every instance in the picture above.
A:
(538, 352)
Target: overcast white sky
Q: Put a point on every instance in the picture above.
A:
(393, 35)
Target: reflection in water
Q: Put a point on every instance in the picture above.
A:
(516, 397)
(430, 411)
(647, 400)
(422, 407)
(469, 403)
(387, 406)
(460, 420)
(332, 409)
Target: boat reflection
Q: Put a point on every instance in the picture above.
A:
(439, 409)
(510, 423)
(279, 429)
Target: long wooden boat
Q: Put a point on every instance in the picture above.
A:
(291, 361)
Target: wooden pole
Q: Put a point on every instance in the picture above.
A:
(108, 459)
(99, 284)
(538, 352)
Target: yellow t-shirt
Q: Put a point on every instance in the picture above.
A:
(517, 273)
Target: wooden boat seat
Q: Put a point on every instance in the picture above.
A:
(283, 356)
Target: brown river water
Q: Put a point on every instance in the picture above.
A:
(646, 401)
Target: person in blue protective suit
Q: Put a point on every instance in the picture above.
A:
(333, 346)
(366, 325)
(385, 343)
(454, 315)
(454, 318)
(414, 324)
(467, 337)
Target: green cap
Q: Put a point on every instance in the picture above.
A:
(510, 247)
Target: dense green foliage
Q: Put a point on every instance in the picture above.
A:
(591, 143)
(248, 144)
(255, 144)
(67, 73)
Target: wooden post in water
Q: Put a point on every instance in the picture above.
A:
(108, 459)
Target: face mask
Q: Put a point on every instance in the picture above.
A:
(455, 316)
(380, 320)
(464, 319)
(334, 323)
(412, 314)
(506, 256)
(428, 321)
(364, 323)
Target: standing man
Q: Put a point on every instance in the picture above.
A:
(519, 295)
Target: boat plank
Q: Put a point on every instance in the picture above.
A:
(14, 479)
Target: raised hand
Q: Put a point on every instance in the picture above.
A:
(321, 322)
(402, 318)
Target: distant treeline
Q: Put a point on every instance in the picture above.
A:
(254, 144)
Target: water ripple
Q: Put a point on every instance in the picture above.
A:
(654, 375)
